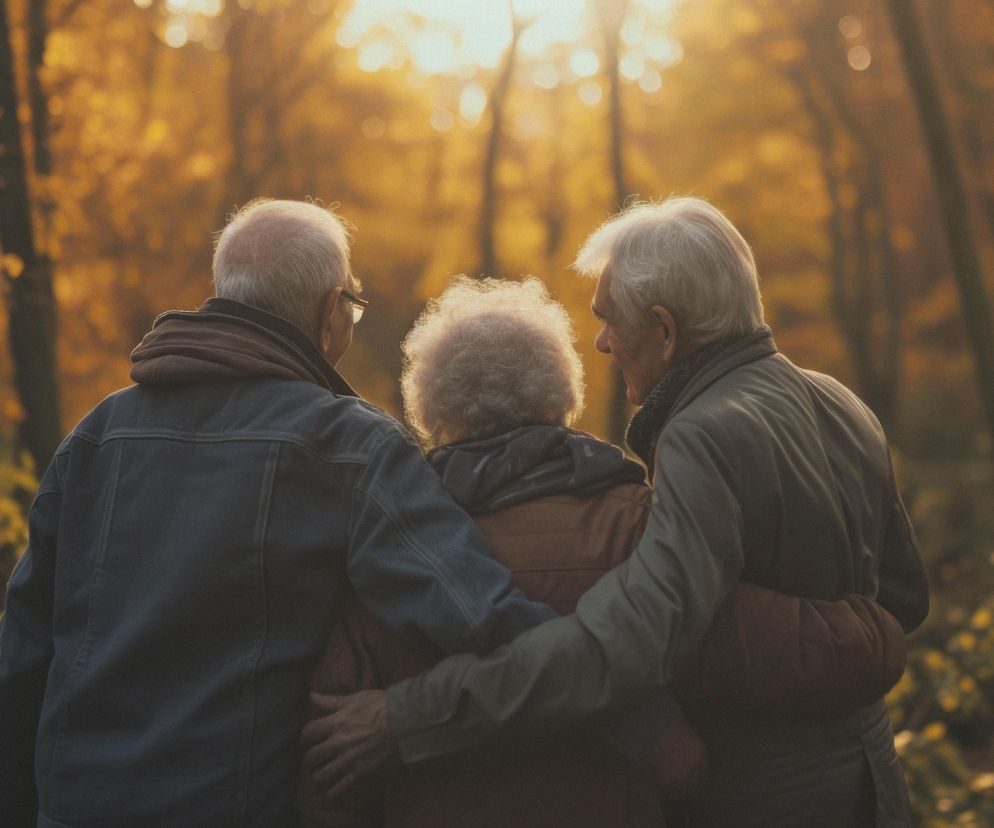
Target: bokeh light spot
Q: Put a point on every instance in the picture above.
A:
(176, 34)
(442, 120)
(373, 127)
(546, 76)
(851, 27)
(651, 81)
(584, 63)
(859, 58)
(590, 93)
(631, 66)
(472, 102)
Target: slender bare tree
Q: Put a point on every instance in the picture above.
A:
(31, 310)
(866, 297)
(496, 104)
(611, 14)
(952, 196)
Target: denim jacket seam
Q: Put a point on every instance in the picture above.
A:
(47, 491)
(351, 459)
(58, 461)
(259, 532)
(425, 554)
(23, 560)
(84, 649)
(417, 547)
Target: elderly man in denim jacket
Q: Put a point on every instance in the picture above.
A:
(189, 546)
(763, 472)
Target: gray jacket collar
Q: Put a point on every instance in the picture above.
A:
(757, 345)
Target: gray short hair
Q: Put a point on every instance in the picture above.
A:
(283, 257)
(685, 255)
(488, 356)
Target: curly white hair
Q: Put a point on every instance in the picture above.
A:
(488, 356)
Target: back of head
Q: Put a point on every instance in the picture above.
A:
(283, 257)
(685, 255)
(488, 356)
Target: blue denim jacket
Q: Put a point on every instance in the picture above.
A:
(188, 548)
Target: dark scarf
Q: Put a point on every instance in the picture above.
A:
(225, 340)
(529, 463)
(645, 427)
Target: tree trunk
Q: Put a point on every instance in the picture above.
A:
(30, 299)
(873, 196)
(37, 35)
(952, 197)
(488, 203)
(862, 262)
(554, 212)
(843, 304)
(612, 15)
(242, 99)
(974, 131)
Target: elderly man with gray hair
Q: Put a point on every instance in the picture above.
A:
(191, 543)
(762, 472)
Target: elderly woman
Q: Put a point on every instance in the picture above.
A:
(492, 384)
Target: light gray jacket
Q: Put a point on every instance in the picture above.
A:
(765, 473)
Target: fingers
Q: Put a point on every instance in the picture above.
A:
(351, 740)
(315, 731)
(342, 772)
(322, 727)
(329, 737)
(339, 772)
(321, 751)
(329, 703)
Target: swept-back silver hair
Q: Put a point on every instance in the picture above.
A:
(282, 257)
(488, 356)
(685, 255)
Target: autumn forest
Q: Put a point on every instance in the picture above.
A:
(852, 142)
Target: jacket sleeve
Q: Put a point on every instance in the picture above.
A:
(629, 631)
(903, 585)
(803, 656)
(26, 649)
(420, 564)
(456, 596)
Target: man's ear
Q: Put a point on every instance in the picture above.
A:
(669, 332)
(326, 319)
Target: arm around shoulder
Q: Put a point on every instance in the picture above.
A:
(803, 656)
(627, 634)
(420, 564)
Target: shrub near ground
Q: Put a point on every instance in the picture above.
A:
(17, 488)
(943, 707)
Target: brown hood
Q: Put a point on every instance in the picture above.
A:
(226, 340)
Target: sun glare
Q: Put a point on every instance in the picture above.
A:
(453, 37)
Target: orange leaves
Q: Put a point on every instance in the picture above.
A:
(12, 266)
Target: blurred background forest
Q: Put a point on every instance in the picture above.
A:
(852, 141)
